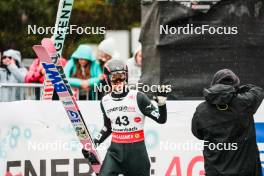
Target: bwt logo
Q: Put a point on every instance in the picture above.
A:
(55, 77)
(74, 117)
(260, 140)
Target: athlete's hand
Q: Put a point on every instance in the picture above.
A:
(90, 156)
(161, 95)
(86, 154)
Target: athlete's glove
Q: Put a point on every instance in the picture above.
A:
(161, 96)
(90, 156)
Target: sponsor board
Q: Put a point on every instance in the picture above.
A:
(172, 148)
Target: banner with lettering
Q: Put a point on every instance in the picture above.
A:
(36, 138)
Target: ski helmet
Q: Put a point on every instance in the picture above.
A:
(115, 67)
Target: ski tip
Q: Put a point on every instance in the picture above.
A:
(46, 40)
(41, 53)
(49, 45)
(36, 47)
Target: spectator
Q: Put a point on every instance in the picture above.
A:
(11, 71)
(83, 72)
(134, 66)
(106, 51)
(225, 121)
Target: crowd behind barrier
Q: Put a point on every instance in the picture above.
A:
(27, 91)
(83, 70)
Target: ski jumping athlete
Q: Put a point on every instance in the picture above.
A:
(124, 114)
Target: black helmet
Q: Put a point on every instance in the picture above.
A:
(114, 66)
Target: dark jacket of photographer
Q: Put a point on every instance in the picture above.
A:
(225, 121)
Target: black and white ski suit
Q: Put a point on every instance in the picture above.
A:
(124, 117)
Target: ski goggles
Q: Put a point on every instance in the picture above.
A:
(117, 77)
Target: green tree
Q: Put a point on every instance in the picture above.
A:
(16, 15)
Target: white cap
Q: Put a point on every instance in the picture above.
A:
(108, 46)
(14, 54)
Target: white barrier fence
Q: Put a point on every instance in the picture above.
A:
(20, 91)
(36, 139)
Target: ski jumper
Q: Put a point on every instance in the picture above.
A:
(124, 117)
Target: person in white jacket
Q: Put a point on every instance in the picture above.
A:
(11, 71)
(134, 65)
(107, 51)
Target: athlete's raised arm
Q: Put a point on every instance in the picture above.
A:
(148, 109)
